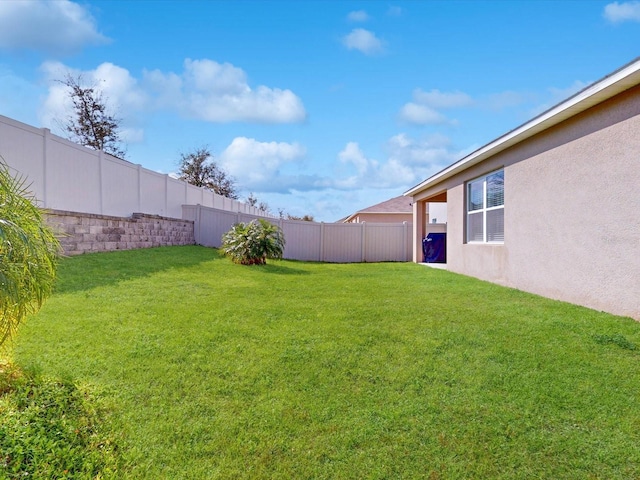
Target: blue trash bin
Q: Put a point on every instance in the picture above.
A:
(434, 248)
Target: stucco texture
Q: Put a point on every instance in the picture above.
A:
(572, 211)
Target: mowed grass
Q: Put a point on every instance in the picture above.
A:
(303, 370)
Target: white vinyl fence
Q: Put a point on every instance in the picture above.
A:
(311, 241)
(66, 176)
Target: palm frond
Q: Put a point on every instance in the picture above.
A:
(28, 253)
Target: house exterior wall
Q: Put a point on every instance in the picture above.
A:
(572, 211)
(437, 211)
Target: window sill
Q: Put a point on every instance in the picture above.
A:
(499, 244)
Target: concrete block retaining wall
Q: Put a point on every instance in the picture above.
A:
(84, 232)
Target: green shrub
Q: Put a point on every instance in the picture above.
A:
(252, 243)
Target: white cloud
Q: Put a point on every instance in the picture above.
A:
(358, 16)
(370, 173)
(327, 205)
(273, 167)
(558, 95)
(423, 110)
(132, 135)
(257, 166)
(423, 156)
(271, 170)
(409, 161)
(205, 90)
(363, 41)
(120, 91)
(18, 97)
(166, 88)
(437, 99)
(353, 155)
(59, 27)
(507, 99)
(620, 12)
(420, 115)
(215, 92)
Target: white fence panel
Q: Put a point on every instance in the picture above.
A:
(73, 178)
(385, 242)
(209, 224)
(152, 192)
(342, 242)
(303, 240)
(22, 147)
(209, 198)
(311, 241)
(195, 195)
(122, 191)
(67, 176)
(176, 194)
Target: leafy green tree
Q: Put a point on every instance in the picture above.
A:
(252, 243)
(199, 169)
(91, 124)
(28, 254)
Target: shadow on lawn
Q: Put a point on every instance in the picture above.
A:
(281, 270)
(88, 271)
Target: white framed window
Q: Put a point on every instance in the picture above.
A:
(485, 208)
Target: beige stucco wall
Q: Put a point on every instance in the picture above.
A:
(572, 212)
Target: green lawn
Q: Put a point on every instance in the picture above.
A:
(307, 371)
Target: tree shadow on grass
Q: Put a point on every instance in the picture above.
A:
(88, 271)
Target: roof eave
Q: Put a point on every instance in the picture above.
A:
(613, 84)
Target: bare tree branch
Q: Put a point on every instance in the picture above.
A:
(199, 169)
(90, 124)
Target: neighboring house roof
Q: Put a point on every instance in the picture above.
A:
(611, 85)
(396, 205)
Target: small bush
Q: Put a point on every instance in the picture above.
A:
(252, 243)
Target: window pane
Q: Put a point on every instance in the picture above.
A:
(495, 189)
(474, 195)
(495, 225)
(475, 231)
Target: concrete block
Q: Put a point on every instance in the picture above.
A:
(85, 246)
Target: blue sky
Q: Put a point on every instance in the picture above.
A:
(318, 108)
